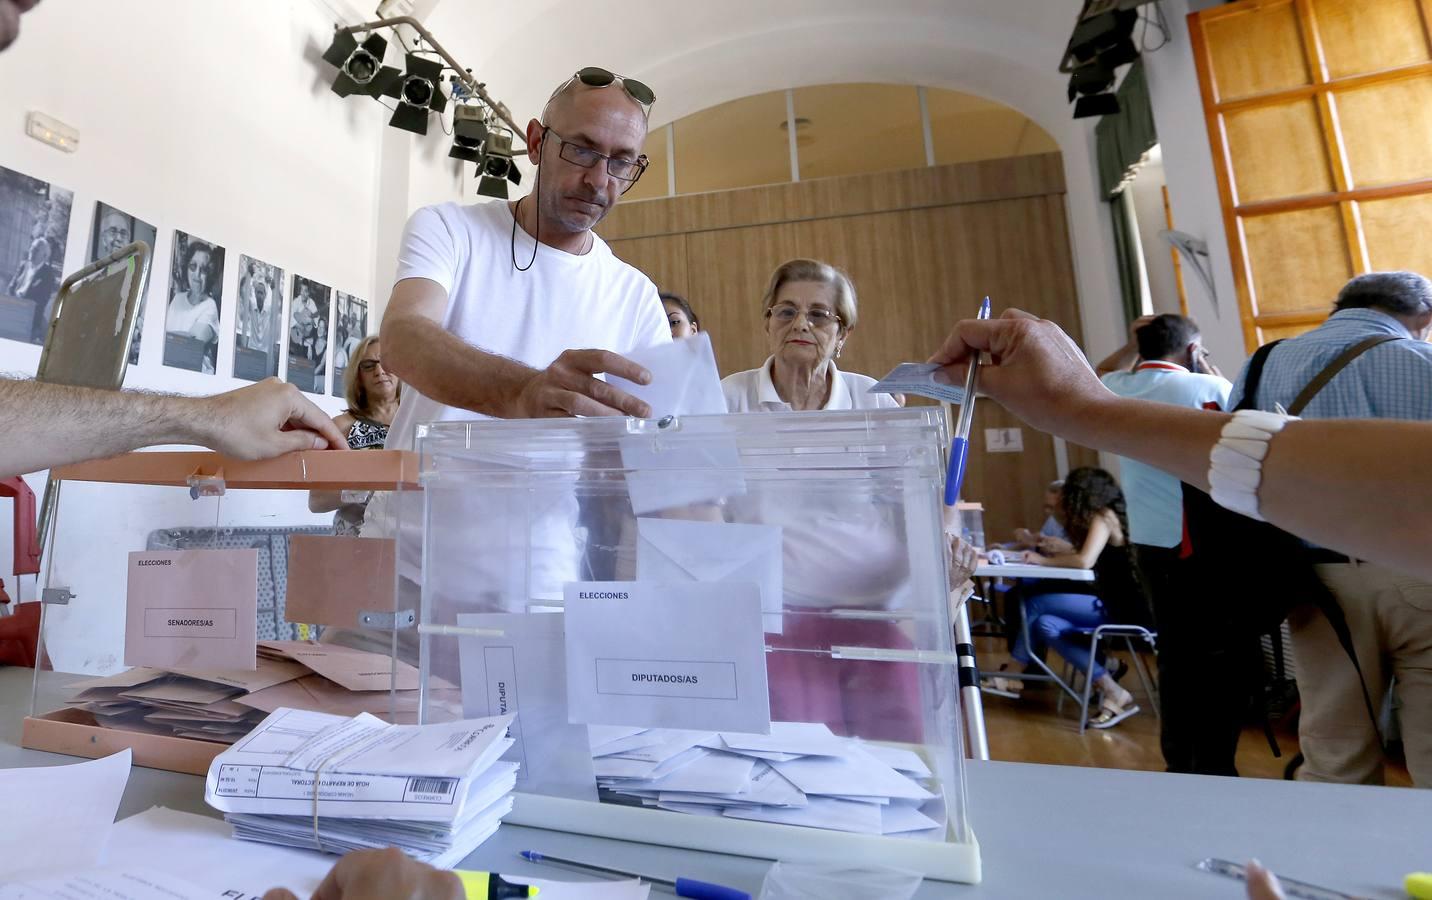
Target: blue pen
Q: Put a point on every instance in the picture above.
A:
(960, 446)
(681, 887)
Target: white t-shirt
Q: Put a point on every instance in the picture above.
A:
(754, 391)
(564, 302)
(1154, 497)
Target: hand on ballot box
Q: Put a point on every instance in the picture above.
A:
(382, 875)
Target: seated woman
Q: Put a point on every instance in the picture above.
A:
(680, 316)
(845, 551)
(1091, 508)
(373, 394)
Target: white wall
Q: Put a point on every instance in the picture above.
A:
(1147, 190)
(1193, 191)
(207, 117)
(214, 118)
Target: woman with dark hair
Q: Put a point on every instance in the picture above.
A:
(1091, 509)
(680, 316)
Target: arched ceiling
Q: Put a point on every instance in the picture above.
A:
(697, 55)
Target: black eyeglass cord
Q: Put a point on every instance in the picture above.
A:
(517, 210)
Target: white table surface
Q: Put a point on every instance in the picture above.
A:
(1045, 831)
(1020, 570)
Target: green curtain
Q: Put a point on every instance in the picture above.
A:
(1121, 141)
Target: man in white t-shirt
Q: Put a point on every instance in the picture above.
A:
(1165, 362)
(490, 317)
(511, 310)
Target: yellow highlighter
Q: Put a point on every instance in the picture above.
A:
(1418, 885)
(490, 886)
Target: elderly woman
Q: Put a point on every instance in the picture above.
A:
(845, 550)
(373, 394)
(810, 314)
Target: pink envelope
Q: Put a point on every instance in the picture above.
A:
(192, 609)
(331, 578)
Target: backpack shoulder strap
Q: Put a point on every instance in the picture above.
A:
(1249, 400)
(1321, 380)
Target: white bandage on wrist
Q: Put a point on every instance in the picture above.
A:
(1235, 467)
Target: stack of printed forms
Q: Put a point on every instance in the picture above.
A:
(799, 774)
(336, 784)
(223, 706)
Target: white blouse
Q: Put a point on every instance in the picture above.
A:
(754, 391)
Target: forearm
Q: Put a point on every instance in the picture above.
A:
(1173, 438)
(1359, 487)
(449, 370)
(46, 425)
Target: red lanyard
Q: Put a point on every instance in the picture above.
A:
(1167, 367)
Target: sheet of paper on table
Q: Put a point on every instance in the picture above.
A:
(199, 851)
(58, 818)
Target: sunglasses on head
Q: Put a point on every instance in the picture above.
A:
(594, 76)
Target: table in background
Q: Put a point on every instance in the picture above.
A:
(1045, 831)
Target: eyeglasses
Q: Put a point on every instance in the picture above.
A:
(620, 168)
(817, 316)
(369, 365)
(597, 77)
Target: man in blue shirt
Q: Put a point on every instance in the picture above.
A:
(1388, 614)
(1201, 697)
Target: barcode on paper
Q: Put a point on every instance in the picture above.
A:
(432, 785)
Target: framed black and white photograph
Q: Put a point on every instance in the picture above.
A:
(34, 228)
(113, 229)
(308, 334)
(258, 338)
(191, 320)
(350, 326)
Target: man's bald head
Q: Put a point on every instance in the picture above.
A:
(574, 103)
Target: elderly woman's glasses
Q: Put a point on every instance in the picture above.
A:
(818, 317)
(620, 168)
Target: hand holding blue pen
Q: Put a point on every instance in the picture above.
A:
(681, 887)
(960, 445)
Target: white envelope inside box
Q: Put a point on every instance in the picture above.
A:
(676, 550)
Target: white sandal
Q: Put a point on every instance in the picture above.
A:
(1113, 710)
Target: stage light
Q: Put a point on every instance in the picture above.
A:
(418, 92)
(1090, 79)
(360, 66)
(469, 131)
(497, 167)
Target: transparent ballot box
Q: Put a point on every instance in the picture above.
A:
(185, 595)
(730, 633)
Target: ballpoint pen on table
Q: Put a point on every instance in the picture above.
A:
(681, 887)
(1299, 889)
(960, 445)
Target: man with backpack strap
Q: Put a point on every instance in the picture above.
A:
(1370, 359)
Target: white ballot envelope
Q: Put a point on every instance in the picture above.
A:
(523, 671)
(677, 550)
(685, 655)
(684, 380)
